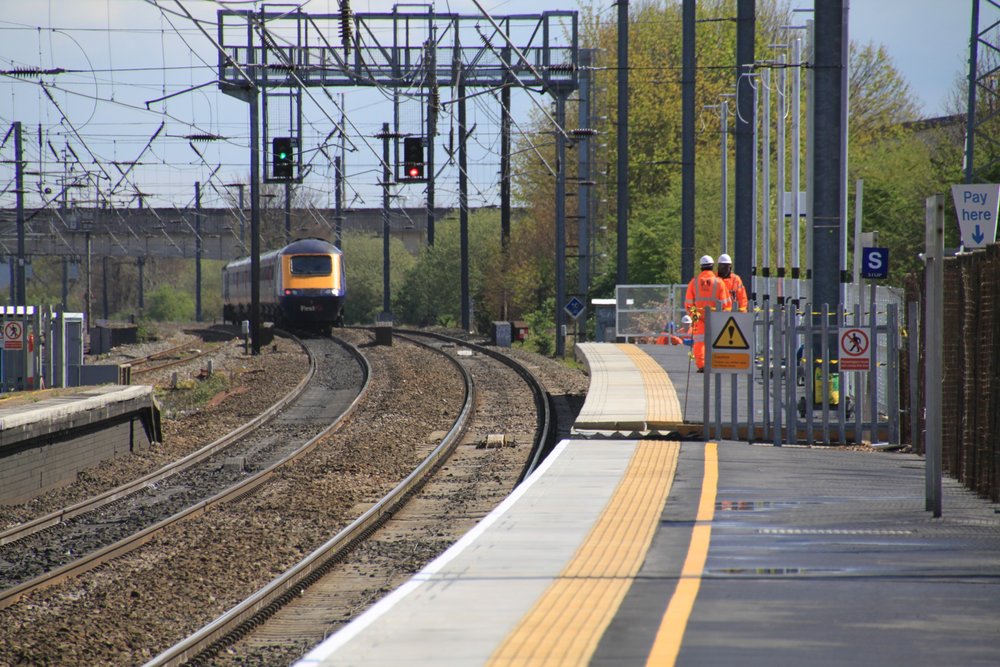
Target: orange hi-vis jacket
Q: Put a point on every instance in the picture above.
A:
(738, 293)
(706, 291)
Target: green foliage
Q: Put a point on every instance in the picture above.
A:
(898, 175)
(431, 291)
(542, 329)
(167, 304)
(363, 261)
(191, 394)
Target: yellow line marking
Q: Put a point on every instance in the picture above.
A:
(662, 404)
(566, 622)
(667, 645)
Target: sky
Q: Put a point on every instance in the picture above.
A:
(138, 51)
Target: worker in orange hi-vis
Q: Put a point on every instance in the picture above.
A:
(675, 336)
(734, 284)
(705, 292)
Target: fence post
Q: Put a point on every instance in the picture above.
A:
(934, 275)
(913, 348)
(809, 374)
(779, 344)
(892, 371)
(873, 373)
(766, 376)
(791, 374)
(859, 388)
(825, 374)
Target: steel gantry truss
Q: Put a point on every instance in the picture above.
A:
(983, 90)
(285, 50)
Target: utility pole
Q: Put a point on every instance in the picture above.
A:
(505, 185)
(254, 95)
(21, 299)
(743, 208)
(688, 74)
(463, 200)
(432, 110)
(560, 224)
(386, 175)
(288, 212)
(724, 111)
(338, 202)
(623, 199)
(197, 251)
(827, 118)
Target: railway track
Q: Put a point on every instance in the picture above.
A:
(498, 437)
(79, 538)
(138, 605)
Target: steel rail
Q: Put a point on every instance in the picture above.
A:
(93, 503)
(124, 546)
(199, 647)
(543, 406)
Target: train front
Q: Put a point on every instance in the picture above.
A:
(313, 285)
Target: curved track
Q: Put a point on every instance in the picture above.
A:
(88, 534)
(443, 488)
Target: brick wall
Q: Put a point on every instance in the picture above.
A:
(39, 465)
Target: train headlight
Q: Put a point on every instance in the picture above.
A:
(291, 292)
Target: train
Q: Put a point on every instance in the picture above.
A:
(302, 286)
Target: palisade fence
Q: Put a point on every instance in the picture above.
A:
(783, 405)
(970, 409)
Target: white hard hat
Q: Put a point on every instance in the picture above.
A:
(707, 260)
(725, 259)
(686, 319)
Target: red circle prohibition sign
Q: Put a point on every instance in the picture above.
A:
(854, 342)
(12, 330)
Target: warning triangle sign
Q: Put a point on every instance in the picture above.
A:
(731, 337)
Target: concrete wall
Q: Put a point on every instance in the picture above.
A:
(46, 447)
(42, 466)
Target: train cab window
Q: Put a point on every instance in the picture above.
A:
(312, 265)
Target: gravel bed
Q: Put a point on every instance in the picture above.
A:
(128, 611)
(241, 396)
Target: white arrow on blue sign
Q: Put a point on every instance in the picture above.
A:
(976, 206)
(574, 307)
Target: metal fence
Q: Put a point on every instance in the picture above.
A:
(785, 401)
(643, 311)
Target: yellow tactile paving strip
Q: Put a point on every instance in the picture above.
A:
(662, 405)
(564, 626)
(629, 391)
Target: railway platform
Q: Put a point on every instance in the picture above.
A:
(47, 437)
(622, 551)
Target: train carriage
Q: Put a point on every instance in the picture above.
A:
(302, 286)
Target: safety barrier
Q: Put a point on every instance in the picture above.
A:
(789, 378)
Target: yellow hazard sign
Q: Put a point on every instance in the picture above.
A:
(731, 337)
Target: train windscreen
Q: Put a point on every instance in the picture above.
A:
(312, 265)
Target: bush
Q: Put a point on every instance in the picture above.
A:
(167, 304)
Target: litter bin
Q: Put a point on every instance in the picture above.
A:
(833, 394)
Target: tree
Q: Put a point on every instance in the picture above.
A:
(166, 304)
(363, 262)
(431, 292)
